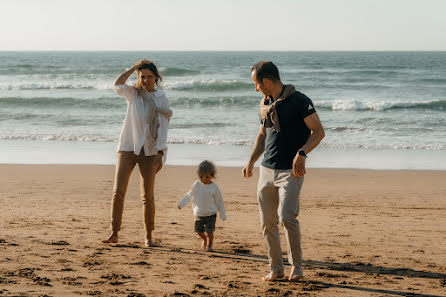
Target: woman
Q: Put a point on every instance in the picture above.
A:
(142, 141)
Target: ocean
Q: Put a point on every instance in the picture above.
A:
(380, 110)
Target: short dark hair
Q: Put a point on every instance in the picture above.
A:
(207, 167)
(266, 69)
(152, 67)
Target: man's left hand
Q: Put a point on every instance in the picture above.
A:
(299, 165)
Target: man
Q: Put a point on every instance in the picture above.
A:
(290, 129)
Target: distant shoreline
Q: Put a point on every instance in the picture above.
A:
(104, 153)
(227, 51)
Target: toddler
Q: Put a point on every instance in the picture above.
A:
(206, 201)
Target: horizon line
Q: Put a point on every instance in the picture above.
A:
(144, 50)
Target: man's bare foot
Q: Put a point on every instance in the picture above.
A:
(209, 249)
(111, 239)
(295, 275)
(295, 278)
(272, 276)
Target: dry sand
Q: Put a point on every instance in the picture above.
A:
(365, 233)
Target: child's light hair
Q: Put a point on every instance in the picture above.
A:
(207, 167)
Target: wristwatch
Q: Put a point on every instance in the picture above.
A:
(302, 153)
(161, 152)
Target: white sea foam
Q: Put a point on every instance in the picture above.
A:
(223, 141)
(54, 84)
(379, 105)
(56, 137)
(380, 146)
(206, 84)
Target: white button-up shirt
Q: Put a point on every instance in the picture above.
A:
(135, 126)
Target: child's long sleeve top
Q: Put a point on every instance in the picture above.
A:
(206, 200)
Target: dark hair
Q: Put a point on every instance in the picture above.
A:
(207, 167)
(266, 69)
(152, 67)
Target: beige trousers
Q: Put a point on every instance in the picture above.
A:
(126, 161)
(278, 195)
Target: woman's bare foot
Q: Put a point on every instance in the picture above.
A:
(113, 238)
(149, 243)
(295, 275)
(272, 276)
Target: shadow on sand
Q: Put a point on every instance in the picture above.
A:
(311, 264)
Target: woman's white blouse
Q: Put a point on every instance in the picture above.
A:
(135, 126)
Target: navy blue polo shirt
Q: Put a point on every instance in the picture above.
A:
(281, 147)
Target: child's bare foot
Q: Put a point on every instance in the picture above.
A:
(296, 274)
(209, 249)
(111, 239)
(272, 276)
(204, 244)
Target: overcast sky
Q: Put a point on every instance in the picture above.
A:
(293, 25)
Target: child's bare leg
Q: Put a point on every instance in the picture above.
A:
(205, 240)
(211, 240)
(113, 238)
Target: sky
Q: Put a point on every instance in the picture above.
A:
(223, 25)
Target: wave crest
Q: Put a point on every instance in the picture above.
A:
(219, 141)
(57, 137)
(101, 102)
(172, 71)
(207, 85)
(216, 101)
(364, 105)
(50, 85)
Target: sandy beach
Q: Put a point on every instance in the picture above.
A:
(365, 233)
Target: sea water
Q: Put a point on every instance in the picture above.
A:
(380, 110)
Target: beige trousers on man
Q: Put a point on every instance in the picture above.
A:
(124, 166)
(278, 195)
